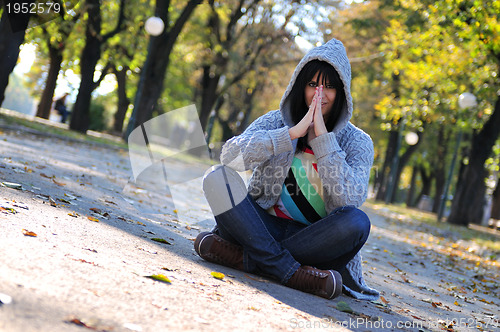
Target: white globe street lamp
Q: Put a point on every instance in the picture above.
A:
(411, 138)
(466, 100)
(154, 26)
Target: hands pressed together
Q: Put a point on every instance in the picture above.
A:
(312, 124)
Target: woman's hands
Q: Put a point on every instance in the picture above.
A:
(312, 123)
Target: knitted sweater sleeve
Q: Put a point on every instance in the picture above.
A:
(344, 173)
(264, 138)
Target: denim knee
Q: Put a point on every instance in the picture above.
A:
(359, 223)
(362, 223)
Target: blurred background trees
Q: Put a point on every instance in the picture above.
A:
(411, 60)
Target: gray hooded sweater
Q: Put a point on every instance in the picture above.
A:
(345, 156)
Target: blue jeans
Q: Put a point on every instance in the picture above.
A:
(276, 246)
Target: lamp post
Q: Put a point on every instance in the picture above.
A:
(465, 100)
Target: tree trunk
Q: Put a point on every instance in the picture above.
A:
(495, 208)
(11, 38)
(467, 205)
(123, 100)
(381, 180)
(45, 105)
(154, 70)
(209, 84)
(403, 160)
(440, 172)
(248, 101)
(80, 118)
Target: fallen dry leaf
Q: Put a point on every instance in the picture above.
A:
(91, 324)
(52, 202)
(58, 183)
(29, 233)
(93, 219)
(64, 200)
(96, 210)
(161, 240)
(436, 304)
(344, 307)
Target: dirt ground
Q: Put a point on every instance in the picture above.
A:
(78, 249)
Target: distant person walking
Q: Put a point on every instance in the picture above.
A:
(61, 108)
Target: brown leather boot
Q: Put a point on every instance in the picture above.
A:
(215, 249)
(324, 283)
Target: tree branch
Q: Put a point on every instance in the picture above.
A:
(104, 72)
(119, 24)
(181, 20)
(214, 21)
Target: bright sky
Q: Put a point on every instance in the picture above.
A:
(27, 56)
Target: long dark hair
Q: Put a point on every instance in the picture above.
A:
(298, 106)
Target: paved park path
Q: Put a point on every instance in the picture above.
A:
(77, 253)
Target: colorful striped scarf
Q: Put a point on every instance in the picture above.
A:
(301, 197)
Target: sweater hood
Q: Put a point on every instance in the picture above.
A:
(334, 53)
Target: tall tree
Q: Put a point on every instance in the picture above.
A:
(154, 70)
(476, 23)
(432, 60)
(12, 31)
(94, 42)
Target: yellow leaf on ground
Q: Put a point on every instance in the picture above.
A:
(93, 219)
(160, 277)
(218, 275)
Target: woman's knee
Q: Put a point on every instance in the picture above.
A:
(223, 188)
(358, 221)
(362, 221)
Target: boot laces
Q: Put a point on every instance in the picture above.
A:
(225, 252)
(308, 279)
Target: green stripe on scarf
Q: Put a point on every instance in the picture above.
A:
(307, 188)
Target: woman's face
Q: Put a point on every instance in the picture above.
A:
(328, 96)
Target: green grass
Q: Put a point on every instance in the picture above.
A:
(70, 134)
(23, 121)
(482, 236)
